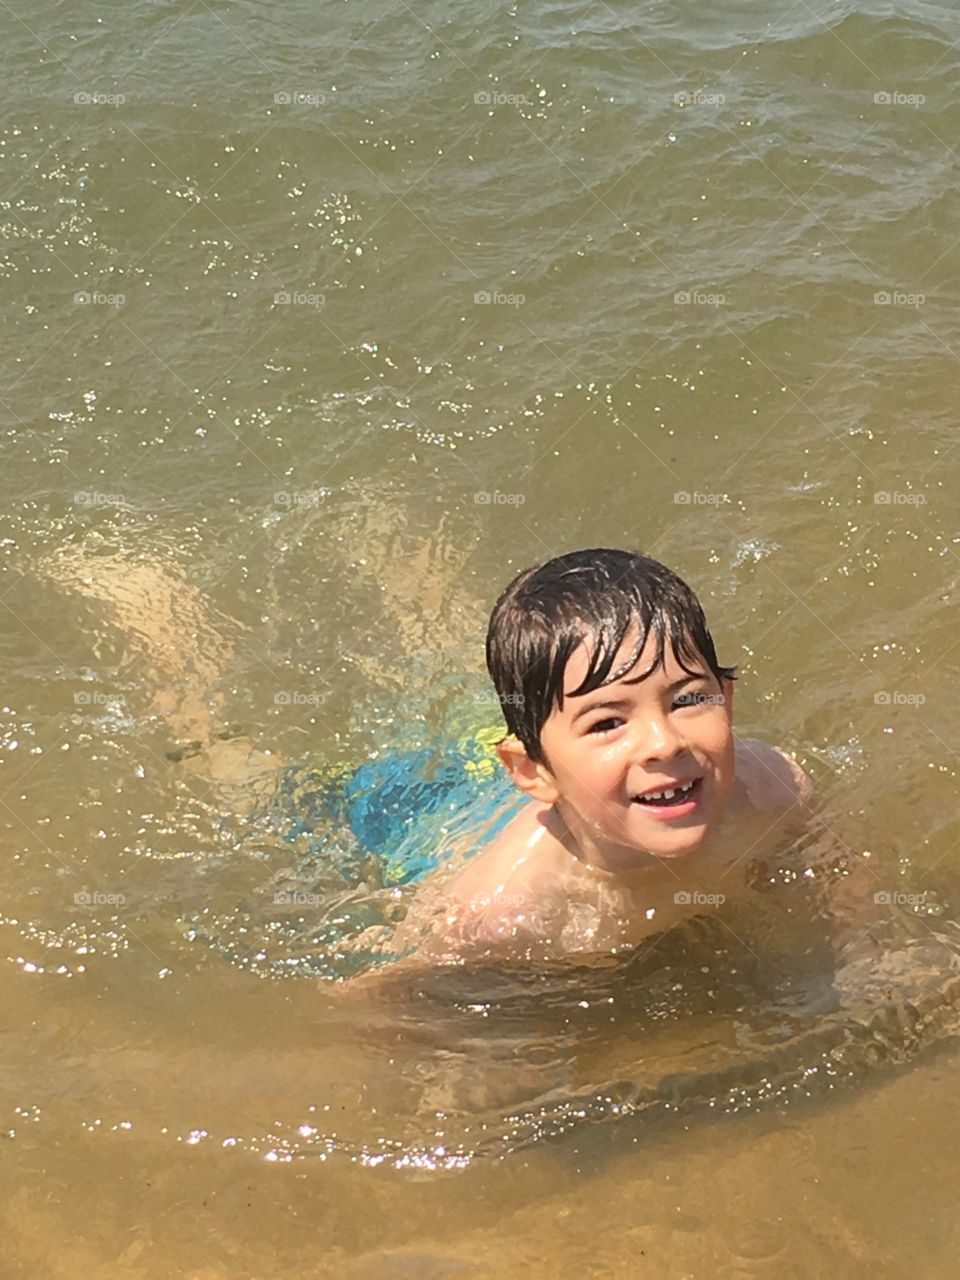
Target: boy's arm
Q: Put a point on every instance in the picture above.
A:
(776, 784)
(769, 780)
(883, 951)
(441, 931)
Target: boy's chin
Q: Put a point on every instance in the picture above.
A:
(678, 843)
(683, 852)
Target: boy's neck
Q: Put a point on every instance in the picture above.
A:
(623, 862)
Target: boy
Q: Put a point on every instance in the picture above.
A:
(643, 808)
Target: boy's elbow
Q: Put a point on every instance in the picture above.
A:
(796, 783)
(774, 780)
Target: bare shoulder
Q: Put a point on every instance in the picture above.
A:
(510, 861)
(498, 900)
(767, 778)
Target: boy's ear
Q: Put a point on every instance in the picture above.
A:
(533, 778)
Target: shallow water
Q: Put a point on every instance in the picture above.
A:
(263, 435)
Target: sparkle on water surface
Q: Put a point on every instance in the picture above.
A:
(320, 323)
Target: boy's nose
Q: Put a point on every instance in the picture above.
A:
(657, 741)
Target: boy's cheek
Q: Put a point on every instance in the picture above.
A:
(594, 797)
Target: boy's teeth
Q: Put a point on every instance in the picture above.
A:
(668, 794)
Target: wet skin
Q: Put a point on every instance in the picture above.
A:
(592, 863)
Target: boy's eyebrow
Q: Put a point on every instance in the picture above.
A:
(623, 702)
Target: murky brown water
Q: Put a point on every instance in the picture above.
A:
(305, 351)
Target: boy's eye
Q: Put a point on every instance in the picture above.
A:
(605, 726)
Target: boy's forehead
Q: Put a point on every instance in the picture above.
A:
(578, 663)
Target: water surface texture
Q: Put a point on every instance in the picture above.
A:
(320, 321)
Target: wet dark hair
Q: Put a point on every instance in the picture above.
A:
(599, 596)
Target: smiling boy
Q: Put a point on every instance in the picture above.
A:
(643, 807)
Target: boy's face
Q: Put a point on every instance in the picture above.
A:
(607, 751)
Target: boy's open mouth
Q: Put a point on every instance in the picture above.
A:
(670, 797)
